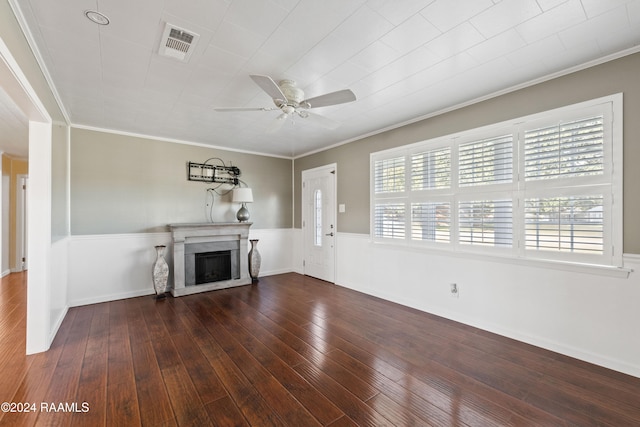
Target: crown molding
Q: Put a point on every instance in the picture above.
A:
(22, 22)
(175, 141)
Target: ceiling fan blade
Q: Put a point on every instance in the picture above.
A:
(322, 121)
(333, 98)
(243, 109)
(267, 84)
(277, 123)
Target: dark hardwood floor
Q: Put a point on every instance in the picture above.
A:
(291, 351)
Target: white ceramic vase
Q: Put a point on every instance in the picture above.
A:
(160, 272)
(255, 259)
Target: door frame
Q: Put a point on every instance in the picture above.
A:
(332, 168)
(21, 247)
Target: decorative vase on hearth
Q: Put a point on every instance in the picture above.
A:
(160, 273)
(255, 259)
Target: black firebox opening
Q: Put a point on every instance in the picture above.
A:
(213, 266)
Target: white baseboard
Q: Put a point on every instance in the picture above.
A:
(57, 321)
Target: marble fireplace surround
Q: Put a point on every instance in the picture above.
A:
(192, 238)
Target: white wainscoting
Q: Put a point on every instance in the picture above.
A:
(592, 317)
(59, 278)
(116, 266)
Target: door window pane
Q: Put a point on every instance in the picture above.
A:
(317, 217)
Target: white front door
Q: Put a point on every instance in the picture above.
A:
(319, 222)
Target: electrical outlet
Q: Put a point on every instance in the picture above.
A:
(455, 292)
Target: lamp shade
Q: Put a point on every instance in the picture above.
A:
(242, 195)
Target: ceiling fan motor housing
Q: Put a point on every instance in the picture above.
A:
(293, 93)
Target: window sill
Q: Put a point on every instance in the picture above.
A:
(576, 267)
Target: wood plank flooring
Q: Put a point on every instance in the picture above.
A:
(291, 351)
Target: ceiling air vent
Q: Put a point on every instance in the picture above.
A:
(177, 43)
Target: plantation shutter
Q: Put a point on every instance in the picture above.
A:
(566, 150)
(389, 220)
(488, 161)
(565, 224)
(485, 222)
(389, 175)
(431, 221)
(431, 169)
(546, 187)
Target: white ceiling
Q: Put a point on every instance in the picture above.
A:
(404, 59)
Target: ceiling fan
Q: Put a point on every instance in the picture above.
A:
(289, 99)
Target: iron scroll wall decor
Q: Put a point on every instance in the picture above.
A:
(204, 172)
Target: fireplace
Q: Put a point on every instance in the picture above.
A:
(212, 266)
(209, 256)
(209, 262)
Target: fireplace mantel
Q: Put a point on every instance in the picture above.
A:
(190, 237)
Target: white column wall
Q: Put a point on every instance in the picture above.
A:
(39, 330)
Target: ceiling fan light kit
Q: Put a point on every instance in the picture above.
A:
(289, 99)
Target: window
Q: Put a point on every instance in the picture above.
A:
(546, 186)
(317, 218)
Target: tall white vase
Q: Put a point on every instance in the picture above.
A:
(255, 259)
(160, 272)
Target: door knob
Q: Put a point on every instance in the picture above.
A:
(329, 234)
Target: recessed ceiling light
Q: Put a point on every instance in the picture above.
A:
(96, 17)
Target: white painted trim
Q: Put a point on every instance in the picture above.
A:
(27, 98)
(110, 297)
(57, 322)
(175, 141)
(17, 11)
(631, 258)
(21, 224)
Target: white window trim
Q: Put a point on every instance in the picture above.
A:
(613, 239)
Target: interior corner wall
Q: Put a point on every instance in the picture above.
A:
(60, 182)
(59, 224)
(127, 184)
